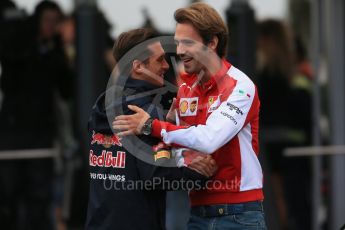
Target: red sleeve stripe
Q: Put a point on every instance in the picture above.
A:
(158, 126)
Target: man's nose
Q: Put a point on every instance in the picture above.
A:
(180, 49)
(165, 65)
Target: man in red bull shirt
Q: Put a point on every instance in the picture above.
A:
(220, 106)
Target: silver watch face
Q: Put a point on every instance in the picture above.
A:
(147, 128)
(146, 131)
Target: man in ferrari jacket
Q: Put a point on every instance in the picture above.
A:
(126, 192)
(218, 106)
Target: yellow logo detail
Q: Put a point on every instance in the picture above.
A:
(183, 106)
(162, 154)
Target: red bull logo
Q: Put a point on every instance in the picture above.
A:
(105, 140)
(106, 159)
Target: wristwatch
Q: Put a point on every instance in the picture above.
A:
(147, 127)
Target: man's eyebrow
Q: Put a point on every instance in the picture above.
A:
(161, 56)
(183, 40)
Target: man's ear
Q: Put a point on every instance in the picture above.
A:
(136, 66)
(213, 43)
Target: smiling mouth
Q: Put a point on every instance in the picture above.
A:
(187, 60)
(161, 74)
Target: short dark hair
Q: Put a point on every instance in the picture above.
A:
(207, 21)
(128, 40)
(41, 8)
(36, 17)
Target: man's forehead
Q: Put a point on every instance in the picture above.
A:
(185, 31)
(156, 48)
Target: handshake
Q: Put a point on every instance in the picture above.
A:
(197, 161)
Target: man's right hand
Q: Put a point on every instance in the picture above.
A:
(204, 165)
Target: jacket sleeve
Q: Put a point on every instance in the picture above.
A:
(221, 126)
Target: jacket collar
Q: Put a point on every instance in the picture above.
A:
(218, 75)
(139, 85)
